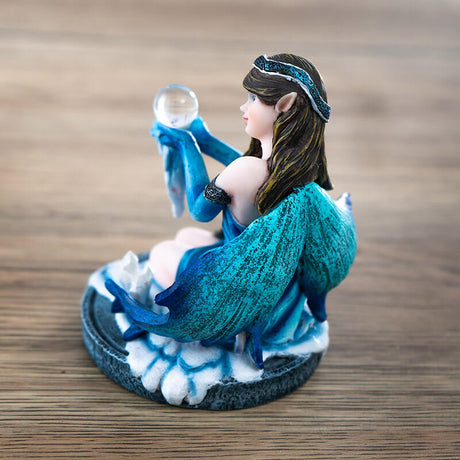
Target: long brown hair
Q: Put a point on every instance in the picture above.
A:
(298, 156)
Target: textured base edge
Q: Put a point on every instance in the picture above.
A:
(105, 345)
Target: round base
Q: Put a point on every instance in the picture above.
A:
(106, 346)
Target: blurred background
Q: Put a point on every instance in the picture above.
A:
(78, 79)
(81, 183)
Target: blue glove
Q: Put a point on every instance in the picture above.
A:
(210, 145)
(169, 141)
(200, 131)
(172, 137)
(185, 172)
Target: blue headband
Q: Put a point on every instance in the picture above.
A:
(299, 76)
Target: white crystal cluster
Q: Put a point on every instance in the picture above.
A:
(134, 279)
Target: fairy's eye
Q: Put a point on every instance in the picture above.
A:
(251, 97)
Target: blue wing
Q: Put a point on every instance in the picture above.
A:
(234, 287)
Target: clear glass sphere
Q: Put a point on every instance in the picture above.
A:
(175, 106)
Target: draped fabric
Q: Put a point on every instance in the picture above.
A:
(251, 280)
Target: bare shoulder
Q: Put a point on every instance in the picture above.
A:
(241, 180)
(250, 171)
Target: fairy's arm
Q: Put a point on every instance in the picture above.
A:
(212, 146)
(195, 174)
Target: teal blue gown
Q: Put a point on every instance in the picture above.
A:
(269, 279)
(258, 277)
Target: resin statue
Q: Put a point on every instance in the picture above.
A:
(238, 318)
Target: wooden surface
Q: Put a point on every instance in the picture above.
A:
(81, 183)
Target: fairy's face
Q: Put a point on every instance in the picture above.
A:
(259, 118)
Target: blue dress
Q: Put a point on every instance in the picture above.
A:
(230, 229)
(258, 278)
(289, 318)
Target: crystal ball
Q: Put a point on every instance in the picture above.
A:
(175, 106)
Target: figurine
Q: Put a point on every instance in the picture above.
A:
(237, 319)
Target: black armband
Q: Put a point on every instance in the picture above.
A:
(215, 194)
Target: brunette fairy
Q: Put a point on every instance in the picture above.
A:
(285, 242)
(286, 150)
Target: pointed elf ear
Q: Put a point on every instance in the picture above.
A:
(286, 102)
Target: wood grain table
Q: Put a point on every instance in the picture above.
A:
(81, 183)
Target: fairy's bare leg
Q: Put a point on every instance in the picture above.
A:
(195, 237)
(165, 257)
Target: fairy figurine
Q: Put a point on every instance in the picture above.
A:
(238, 318)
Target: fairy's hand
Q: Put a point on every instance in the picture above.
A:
(171, 137)
(200, 131)
(210, 145)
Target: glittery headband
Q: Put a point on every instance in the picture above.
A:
(299, 76)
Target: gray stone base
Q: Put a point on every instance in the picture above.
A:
(105, 345)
